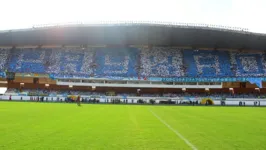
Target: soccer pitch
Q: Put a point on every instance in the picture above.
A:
(113, 127)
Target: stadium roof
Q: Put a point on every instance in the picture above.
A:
(144, 33)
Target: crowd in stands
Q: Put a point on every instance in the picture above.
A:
(71, 62)
(161, 62)
(48, 92)
(142, 63)
(3, 58)
(119, 62)
(207, 63)
(248, 64)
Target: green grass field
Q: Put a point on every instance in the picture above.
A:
(129, 127)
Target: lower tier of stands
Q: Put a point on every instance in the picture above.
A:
(65, 93)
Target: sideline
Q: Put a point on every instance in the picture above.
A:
(175, 131)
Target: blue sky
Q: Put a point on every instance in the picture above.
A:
(251, 14)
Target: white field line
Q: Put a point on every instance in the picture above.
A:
(175, 131)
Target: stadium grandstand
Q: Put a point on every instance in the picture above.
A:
(132, 86)
(134, 61)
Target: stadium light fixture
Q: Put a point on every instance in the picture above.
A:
(21, 85)
(3, 82)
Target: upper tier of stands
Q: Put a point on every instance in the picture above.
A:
(207, 63)
(133, 62)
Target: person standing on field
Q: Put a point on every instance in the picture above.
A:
(78, 100)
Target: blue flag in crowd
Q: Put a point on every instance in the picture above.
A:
(52, 76)
(257, 81)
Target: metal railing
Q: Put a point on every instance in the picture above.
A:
(134, 23)
(151, 23)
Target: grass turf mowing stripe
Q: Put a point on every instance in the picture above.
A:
(175, 131)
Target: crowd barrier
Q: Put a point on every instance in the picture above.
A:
(134, 100)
